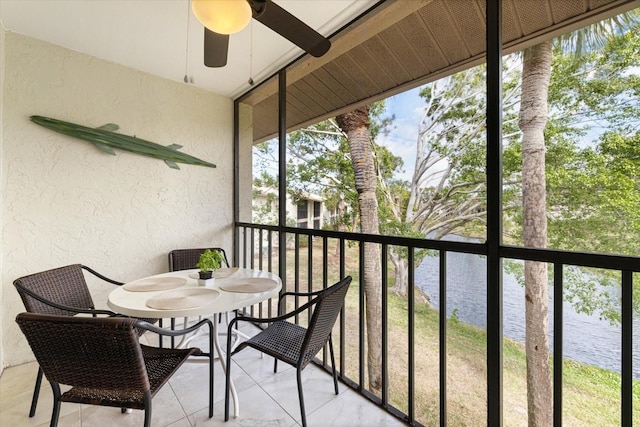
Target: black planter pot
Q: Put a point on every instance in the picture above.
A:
(205, 274)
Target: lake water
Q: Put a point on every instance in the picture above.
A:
(587, 339)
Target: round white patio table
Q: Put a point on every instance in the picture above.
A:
(178, 294)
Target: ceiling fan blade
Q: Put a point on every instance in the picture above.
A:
(216, 47)
(289, 27)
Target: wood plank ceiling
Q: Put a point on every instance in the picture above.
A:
(402, 44)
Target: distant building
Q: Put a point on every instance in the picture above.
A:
(308, 211)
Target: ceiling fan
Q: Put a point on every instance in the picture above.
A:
(224, 17)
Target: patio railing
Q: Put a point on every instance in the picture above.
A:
(260, 247)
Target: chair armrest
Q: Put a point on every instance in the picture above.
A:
(300, 294)
(106, 279)
(297, 294)
(92, 311)
(173, 332)
(143, 325)
(299, 310)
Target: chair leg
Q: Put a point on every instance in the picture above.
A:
(275, 365)
(147, 409)
(333, 365)
(55, 414)
(173, 328)
(227, 384)
(211, 360)
(160, 336)
(36, 393)
(301, 397)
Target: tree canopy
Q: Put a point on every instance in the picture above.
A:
(592, 156)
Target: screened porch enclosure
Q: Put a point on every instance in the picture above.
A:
(395, 47)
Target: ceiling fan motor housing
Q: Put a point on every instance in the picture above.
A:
(279, 20)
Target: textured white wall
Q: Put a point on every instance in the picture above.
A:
(2, 49)
(64, 201)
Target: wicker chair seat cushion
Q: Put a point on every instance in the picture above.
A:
(133, 399)
(160, 364)
(281, 339)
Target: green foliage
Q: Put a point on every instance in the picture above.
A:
(592, 157)
(319, 162)
(454, 318)
(594, 186)
(591, 291)
(210, 260)
(265, 180)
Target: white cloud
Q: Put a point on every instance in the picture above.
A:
(401, 139)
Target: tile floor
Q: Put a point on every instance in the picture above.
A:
(266, 399)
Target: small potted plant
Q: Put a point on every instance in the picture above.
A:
(208, 263)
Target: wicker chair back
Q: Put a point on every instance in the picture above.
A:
(64, 285)
(328, 306)
(95, 352)
(186, 259)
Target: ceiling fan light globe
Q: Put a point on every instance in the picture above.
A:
(222, 16)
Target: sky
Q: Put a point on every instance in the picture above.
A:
(401, 140)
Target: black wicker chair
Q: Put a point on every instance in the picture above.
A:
(291, 343)
(61, 291)
(102, 359)
(186, 259)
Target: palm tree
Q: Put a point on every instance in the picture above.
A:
(536, 70)
(356, 126)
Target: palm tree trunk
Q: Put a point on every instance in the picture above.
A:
(536, 72)
(356, 126)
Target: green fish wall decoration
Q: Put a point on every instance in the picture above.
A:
(105, 138)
